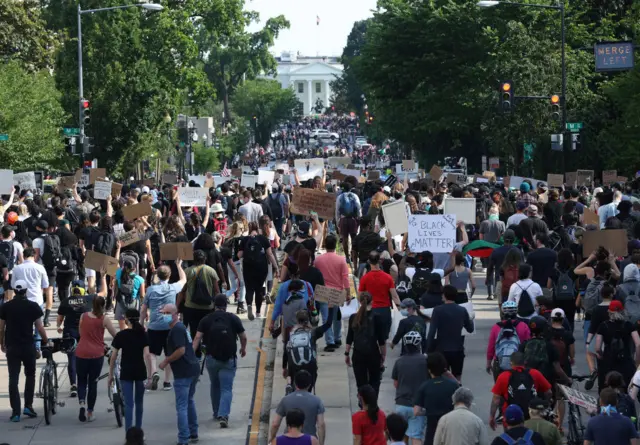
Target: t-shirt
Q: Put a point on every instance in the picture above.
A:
(501, 387)
(75, 306)
(159, 295)
(138, 281)
(492, 230)
(372, 434)
(310, 404)
(206, 274)
(614, 429)
(313, 276)
(518, 432)
(543, 263)
(232, 320)
(434, 396)
(378, 284)
(187, 365)
(546, 429)
(410, 371)
(561, 334)
(411, 323)
(613, 329)
(599, 315)
(132, 343)
(259, 268)
(364, 243)
(19, 315)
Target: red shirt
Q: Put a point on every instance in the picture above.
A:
(371, 434)
(501, 387)
(377, 283)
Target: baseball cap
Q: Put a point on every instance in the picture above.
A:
(521, 205)
(42, 224)
(303, 229)
(145, 189)
(532, 210)
(220, 300)
(408, 302)
(386, 189)
(557, 313)
(20, 286)
(509, 235)
(538, 403)
(513, 415)
(616, 306)
(632, 245)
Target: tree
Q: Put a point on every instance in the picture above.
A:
(319, 106)
(206, 159)
(31, 114)
(265, 104)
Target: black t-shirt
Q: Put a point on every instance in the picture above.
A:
(3, 265)
(132, 343)
(87, 234)
(552, 354)
(542, 262)
(364, 243)
(565, 336)
(311, 245)
(313, 276)
(616, 329)
(231, 320)
(19, 315)
(187, 365)
(260, 268)
(518, 432)
(379, 331)
(531, 227)
(429, 300)
(75, 306)
(599, 315)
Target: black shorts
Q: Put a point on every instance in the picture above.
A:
(157, 341)
(455, 359)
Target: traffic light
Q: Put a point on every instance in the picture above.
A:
(366, 117)
(370, 118)
(506, 96)
(555, 107)
(575, 141)
(85, 107)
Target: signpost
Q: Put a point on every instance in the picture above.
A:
(68, 131)
(4, 137)
(613, 56)
(574, 127)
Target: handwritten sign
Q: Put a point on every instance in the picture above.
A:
(309, 168)
(409, 165)
(6, 181)
(266, 176)
(248, 180)
(310, 200)
(339, 161)
(395, 217)
(372, 175)
(176, 251)
(581, 399)
(585, 177)
(169, 178)
(435, 173)
(435, 233)
(571, 178)
(131, 237)
(464, 209)
(622, 179)
(236, 172)
(555, 180)
(457, 178)
(136, 211)
(26, 180)
(608, 176)
(324, 294)
(95, 173)
(116, 190)
(97, 261)
(193, 196)
(101, 190)
(590, 218)
(66, 182)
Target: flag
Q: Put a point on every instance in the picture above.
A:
(317, 20)
(225, 171)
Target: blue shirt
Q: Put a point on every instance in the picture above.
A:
(607, 211)
(137, 282)
(283, 293)
(157, 297)
(614, 429)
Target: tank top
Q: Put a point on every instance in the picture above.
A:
(459, 280)
(305, 439)
(91, 343)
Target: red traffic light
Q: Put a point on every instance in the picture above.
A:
(84, 103)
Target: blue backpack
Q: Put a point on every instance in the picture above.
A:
(525, 440)
(348, 205)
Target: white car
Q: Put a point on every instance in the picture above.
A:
(324, 134)
(361, 140)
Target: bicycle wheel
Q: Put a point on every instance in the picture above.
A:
(46, 390)
(118, 405)
(573, 437)
(54, 391)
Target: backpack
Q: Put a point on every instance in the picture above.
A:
(565, 289)
(507, 343)
(592, 296)
(524, 440)
(132, 257)
(221, 342)
(525, 305)
(67, 263)
(347, 205)
(629, 293)
(201, 295)
(521, 388)
(420, 281)
(300, 348)
(125, 290)
(8, 250)
(51, 255)
(557, 340)
(364, 338)
(104, 242)
(276, 206)
(617, 349)
(536, 355)
(253, 251)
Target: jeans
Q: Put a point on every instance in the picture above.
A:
(337, 330)
(232, 281)
(416, 424)
(221, 374)
(277, 223)
(133, 393)
(71, 357)
(323, 308)
(89, 370)
(187, 417)
(16, 358)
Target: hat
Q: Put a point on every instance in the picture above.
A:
(28, 195)
(509, 235)
(538, 403)
(632, 245)
(275, 187)
(12, 217)
(217, 208)
(85, 195)
(542, 186)
(145, 189)
(20, 285)
(521, 205)
(525, 187)
(408, 303)
(532, 210)
(220, 300)
(557, 313)
(616, 306)
(513, 415)
(386, 189)
(303, 229)
(42, 224)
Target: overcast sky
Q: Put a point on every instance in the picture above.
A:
(327, 39)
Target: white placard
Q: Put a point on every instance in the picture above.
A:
(347, 172)
(482, 180)
(84, 181)
(339, 161)
(6, 181)
(395, 218)
(26, 180)
(248, 180)
(193, 196)
(309, 168)
(266, 176)
(101, 190)
(435, 233)
(350, 308)
(283, 166)
(576, 397)
(217, 180)
(463, 208)
(198, 179)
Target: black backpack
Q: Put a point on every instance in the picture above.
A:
(201, 295)
(221, 340)
(364, 338)
(125, 290)
(525, 306)
(253, 252)
(8, 250)
(420, 281)
(52, 254)
(521, 389)
(104, 242)
(67, 263)
(616, 350)
(276, 206)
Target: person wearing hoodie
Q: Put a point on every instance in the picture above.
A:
(629, 291)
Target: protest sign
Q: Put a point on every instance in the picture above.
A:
(581, 399)
(372, 175)
(488, 174)
(348, 172)
(310, 200)
(339, 161)
(608, 176)
(193, 196)
(169, 178)
(236, 172)
(248, 180)
(464, 209)
(282, 166)
(66, 182)
(555, 180)
(395, 217)
(95, 173)
(198, 179)
(614, 240)
(390, 181)
(622, 179)
(98, 261)
(456, 178)
(309, 168)
(266, 176)
(585, 177)
(324, 294)
(409, 165)
(338, 175)
(26, 180)
(128, 238)
(176, 251)
(435, 233)
(590, 217)
(101, 190)
(116, 190)
(136, 211)
(435, 173)
(6, 181)
(480, 179)
(570, 178)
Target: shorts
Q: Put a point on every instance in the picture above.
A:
(348, 226)
(455, 359)
(416, 425)
(121, 309)
(157, 341)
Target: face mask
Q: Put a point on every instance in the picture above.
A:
(404, 312)
(168, 318)
(493, 217)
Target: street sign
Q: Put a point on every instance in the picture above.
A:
(68, 131)
(614, 56)
(181, 144)
(557, 142)
(4, 137)
(574, 126)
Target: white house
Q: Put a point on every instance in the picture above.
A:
(308, 76)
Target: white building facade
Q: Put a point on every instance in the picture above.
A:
(309, 77)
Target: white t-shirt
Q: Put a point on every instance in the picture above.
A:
(17, 250)
(515, 219)
(533, 289)
(38, 243)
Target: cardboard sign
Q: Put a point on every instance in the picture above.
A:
(136, 211)
(456, 178)
(622, 179)
(464, 209)
(435, 173)
(95, 173)
(581, 399)
(169, 178)
(615, 241)
(339, 161)
(248, 180)
(408, 165)
(435, 233)
(116, 190)
(131, 237)
(309, 168)
(66, 182)
(488, 174)
(193, 196)
(590, 218)
(96, 261)
(571, 178)
(310, 200)
(324, 294)
(149, 182)
(349, 172)
(176, 251)
(6, 182)
(608, 176)
(555, 180)
(26, 180)
(101, 190)
(395, 218)
(372, 175)
(236, 172)
(585, 177)
(338, 176)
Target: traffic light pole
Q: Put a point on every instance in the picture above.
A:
(80, 84)
(564, 73)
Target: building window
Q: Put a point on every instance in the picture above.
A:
(300, 87)
(318, 87)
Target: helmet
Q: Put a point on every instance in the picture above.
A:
(509, 307)
(538, 324)
(412, 338)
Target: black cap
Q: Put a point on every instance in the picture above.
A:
(509, 235)
(538, 403)
(220, 300)
(303, 229)
(42, 224)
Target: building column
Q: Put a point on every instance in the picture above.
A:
(326, 94)
(309, 97)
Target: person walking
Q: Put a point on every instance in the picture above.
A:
(294, 435)
(496, 260)
(461, 426)
(524, 292)
(369, 424)
(515, 431)
(414, 321)
(549, 431)
(610, 427)
(220, 331)
(462, 279)
(130, 288)
(505, 338)
(134, 344)
(184, 365)
(348, 210)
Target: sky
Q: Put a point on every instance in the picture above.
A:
(328, 38)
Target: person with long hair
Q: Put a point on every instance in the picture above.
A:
(626, 405)
(134, 344)
(229, 252)
(90, 356)
(130, 288)
(370, 423)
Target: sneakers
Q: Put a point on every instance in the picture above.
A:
(29, 412)
(241, 309)
(490, 298)
(154, 381)
(224, 422)
(167, 386)
(329, 348)
(15, 418)
(194, 438)
(82, 416)
(73, 391)
(250, 316)
(288, 390)
(337, 344)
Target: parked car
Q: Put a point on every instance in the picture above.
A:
(324, 134)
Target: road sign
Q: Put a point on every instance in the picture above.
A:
(574, 126)
(68, 131)
(557, 142)
(4, 137)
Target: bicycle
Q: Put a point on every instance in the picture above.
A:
(575, 435)
(48, 382)
(116, 399)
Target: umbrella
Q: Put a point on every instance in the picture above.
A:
(479, 249)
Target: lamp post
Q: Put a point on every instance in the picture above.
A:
(558, 7)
